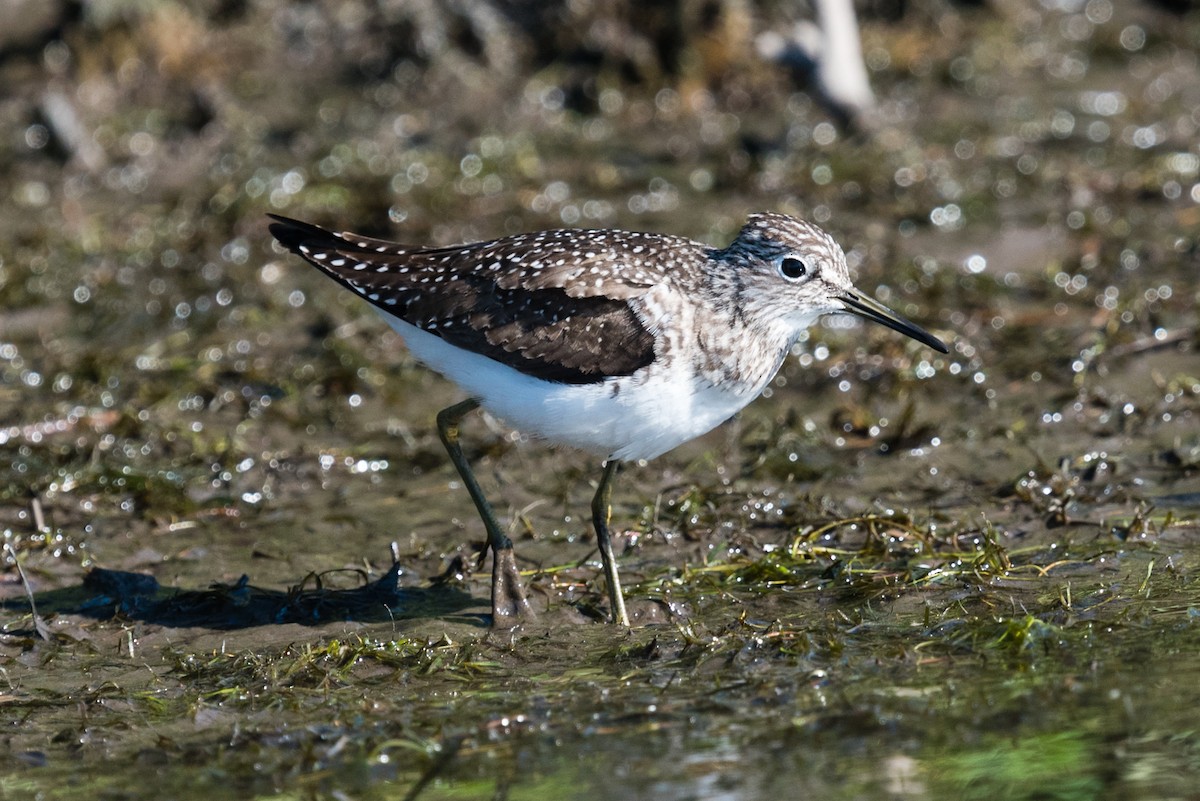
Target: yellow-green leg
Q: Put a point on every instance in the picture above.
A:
(601, 512)
(509, 604)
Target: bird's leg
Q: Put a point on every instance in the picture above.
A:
(601, 511)
(509, 604)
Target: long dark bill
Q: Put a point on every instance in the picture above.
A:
(871, 309)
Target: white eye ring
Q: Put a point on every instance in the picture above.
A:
(792, 268)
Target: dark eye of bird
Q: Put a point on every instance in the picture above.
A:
(792, 268)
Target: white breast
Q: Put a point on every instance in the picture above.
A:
(639, 416)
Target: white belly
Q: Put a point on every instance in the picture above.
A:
(631, 417)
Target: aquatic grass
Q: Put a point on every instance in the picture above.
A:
(1047, 766)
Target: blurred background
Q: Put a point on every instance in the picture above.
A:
(182, 401)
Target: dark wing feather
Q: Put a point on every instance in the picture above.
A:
(488, 298)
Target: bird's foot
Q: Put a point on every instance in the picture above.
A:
(510, 606)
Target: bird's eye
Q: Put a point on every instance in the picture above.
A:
(792, 268)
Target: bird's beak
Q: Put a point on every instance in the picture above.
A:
(871, 309)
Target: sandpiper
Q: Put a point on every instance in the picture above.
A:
(619, 343)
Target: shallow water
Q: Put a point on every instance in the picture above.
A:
(900, 574)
